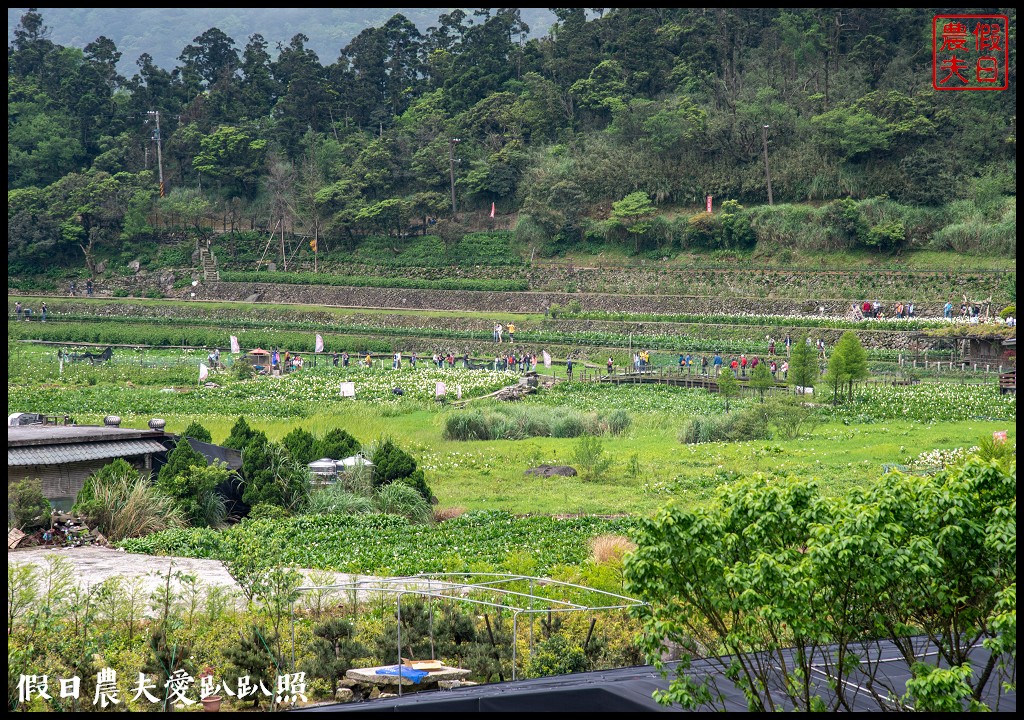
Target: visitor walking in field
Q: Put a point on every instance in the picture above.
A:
(511, 333)
(610, 364)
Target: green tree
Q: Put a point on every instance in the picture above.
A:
(302, 446)
(240, 436)
(180, 459)
(233, 155)
(28, 506)
(589, 455)
(803, 365)
(761, 379)
(847, 364)
(849, 132)
(195, 493)
(272, 476)
(633, 211)
(185, 206)
(391, 464)
(774, 564)
(196, 431)
(728, 386)
(335, 648)
(211, 56)
(337, 444)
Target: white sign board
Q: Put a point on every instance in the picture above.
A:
(348, 389)
(440, 391)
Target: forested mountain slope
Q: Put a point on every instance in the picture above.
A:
(611, 128)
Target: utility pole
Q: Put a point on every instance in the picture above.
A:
(767, 172)
(451, 168)
(159, 153)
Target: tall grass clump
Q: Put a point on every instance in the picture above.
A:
(568, 424)
(120, 502)
(972, 233)
(705, 429)
(397, 498)
(518, 422)
(791, 226)
(467, 425)
(618, 421)
(335, 499)
(610, 548)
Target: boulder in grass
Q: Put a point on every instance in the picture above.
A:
(552, 470)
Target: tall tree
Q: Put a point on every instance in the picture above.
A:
(803, 365)
(847, 364)
(210, 56)
(761, 379)
(633, 212)
(728, 386)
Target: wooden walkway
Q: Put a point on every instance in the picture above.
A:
(656, 377)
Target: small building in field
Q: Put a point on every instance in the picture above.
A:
(63, 456)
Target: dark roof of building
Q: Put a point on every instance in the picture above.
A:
(77, 452)
(631, 690)
(217, 452)
(26, 435)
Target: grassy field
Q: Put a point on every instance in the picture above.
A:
(649, 466)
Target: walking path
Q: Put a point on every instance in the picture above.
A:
(91, 565)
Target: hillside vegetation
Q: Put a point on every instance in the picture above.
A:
(604, 135)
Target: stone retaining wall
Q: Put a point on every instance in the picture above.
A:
(519, 302)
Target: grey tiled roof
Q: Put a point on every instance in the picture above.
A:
(56, 454)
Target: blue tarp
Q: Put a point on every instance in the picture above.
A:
(407, 672)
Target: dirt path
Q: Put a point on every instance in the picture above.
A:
(92, 565)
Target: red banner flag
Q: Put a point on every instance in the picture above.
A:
(492, 209)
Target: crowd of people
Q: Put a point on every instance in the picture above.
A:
(876, 310)
(24, 313)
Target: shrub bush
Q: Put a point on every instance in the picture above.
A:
(705, 429)
(398, 498)
(121, 503)
(28, 506)
(267, 511)
(336, 500)
(618, 421)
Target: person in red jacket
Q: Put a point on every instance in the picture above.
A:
(743, 364)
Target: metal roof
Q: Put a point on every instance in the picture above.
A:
(24, 435)
(56, 454)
